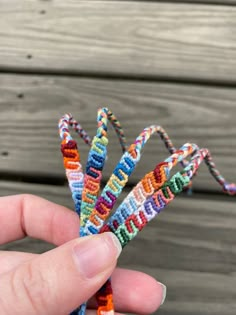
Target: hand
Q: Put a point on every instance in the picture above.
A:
(56, 282)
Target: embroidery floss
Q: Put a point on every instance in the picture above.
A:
(152, 194)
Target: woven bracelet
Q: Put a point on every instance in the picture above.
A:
(143, 203)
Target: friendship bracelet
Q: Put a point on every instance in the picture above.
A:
(96, 160)
(137, 209)
(129, 225)
(84, 204)
(120, 176)
(71, 156)
(143, 203)
(85, 188)
(150, 183)
(126, 225)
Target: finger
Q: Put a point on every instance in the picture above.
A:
(124, 282)
(58, 281)
(135, 292)
(23, 215)
(11, 260)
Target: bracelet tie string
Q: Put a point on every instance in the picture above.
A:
(145, 201)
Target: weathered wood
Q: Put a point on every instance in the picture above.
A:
(122, 38)
(221, 2)
(32, 105)
(190, 247)
(194, 293)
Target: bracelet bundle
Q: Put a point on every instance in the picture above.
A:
(146, 200)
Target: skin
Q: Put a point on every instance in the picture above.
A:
(52, 283)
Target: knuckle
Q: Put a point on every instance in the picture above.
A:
(25, 197)
(31, 287)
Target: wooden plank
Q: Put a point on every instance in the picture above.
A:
(194, 293)
(214, 2)
(190, 247)
(121, 38)
(32, 105)
(221, 2)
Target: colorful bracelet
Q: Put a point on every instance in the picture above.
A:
(126, 225)
(137, 209)
(145, 188)
(71, 155)
(147, 198)
(85, 188)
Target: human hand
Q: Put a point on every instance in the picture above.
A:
(56, 282)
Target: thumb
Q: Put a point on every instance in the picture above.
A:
(60, 280)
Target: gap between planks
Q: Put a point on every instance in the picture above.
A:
(190, 247)
(32, 105)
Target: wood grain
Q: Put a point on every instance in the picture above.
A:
(190, 247)
(221, 2)
(194, 293)
(31, 106)
(121, 38)
(214, 2)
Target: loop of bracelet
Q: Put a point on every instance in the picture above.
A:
(152, 194)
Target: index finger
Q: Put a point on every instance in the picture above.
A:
(28, 215)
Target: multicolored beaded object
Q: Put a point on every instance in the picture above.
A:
(153, 193)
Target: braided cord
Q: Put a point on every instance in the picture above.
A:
(153, 193)
(71, 157)
(92, 181)
(96, 160)
(118, 181)
(151, 182)
(119, 130)
(129, 224)
(85, 189)
(68, 121)
(112, 190)
(119, 178)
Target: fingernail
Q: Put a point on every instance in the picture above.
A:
(96, 254)
(163, 292)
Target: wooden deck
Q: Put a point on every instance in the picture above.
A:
(166, 63)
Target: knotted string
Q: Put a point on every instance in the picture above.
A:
(155, 190)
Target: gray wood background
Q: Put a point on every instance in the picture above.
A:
(151, 62)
